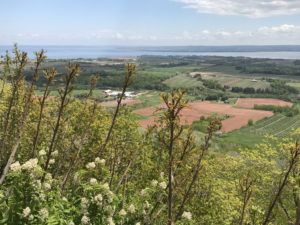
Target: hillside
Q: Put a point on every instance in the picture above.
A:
(68, 158)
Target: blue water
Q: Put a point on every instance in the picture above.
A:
(93, 52)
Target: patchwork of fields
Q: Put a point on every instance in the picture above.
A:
(237, 117)
(235, 81)
(183, 81)
(187, 81)
(277, 125)
(249, 103)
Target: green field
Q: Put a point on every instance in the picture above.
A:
(148, 99)
(294, 84)
(237, 81)
(183, 81)
(278, 125)
(186, 81)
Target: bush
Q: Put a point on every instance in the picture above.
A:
(250, 122)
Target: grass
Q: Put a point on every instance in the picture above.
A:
(183, 81)
(295, 85)
(148, 99)
(236, 81)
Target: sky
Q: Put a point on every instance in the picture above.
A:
(150, 22)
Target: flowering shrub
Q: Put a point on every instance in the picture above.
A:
(75, 163)
(28, 199)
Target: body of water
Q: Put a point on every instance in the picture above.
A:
(93, 52)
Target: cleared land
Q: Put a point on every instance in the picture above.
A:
(235, 81)
(189, 81)
(183, 81)
(249, 103)
(237, 117)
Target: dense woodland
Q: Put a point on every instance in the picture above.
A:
(70, 161)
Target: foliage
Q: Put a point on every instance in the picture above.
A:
(73, 162)
(288, 111)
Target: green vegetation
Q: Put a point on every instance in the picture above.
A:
(65, 160)
(202, 124)
(183, 81)
(287, 111)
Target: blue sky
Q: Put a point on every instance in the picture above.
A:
(150, 22)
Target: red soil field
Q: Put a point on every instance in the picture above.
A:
(250, 102)
(238, 117)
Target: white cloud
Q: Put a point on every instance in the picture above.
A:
(290, 34)
(280, 34)
(282, 29)
(248, 8)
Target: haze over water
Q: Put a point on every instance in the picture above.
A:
(93, 52)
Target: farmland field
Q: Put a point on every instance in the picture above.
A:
(251, 102)
(236, 81)
(278, 125)
(294, 84)
(237, 117)
(183, 81)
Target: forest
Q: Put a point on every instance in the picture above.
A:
(65, 160)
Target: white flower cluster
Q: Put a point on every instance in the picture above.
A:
(93, 181)
(98, 199)
(85, 220)
(51, 161)
(102, 199)
(31, 164)
(44, 214)
(107, 192)
(122, 212)
(26, 212)
(110, 221)
(47, 186)
(187, 215)
(100, 161)
(154, 183)
(105, 186)
(163, 185)
(131, 209)
(48, 178)
(90, 165)
(15, 167)
(42, 153)
(84, 205)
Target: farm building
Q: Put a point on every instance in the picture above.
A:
(110, 93)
